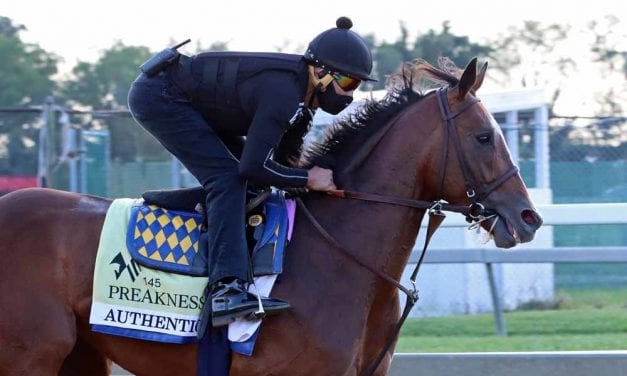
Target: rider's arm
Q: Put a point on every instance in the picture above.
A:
(272, 113)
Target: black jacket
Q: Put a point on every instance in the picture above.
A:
(257, 95)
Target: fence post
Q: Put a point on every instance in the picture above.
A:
(46, 144)
(497, 304)
(541, 136)
(511, 134)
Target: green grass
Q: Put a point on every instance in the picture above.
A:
(587, 320)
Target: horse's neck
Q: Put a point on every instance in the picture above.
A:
(380, 235)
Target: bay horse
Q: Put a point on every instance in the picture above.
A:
(414, 145)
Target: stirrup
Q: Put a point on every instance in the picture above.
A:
(261, 313)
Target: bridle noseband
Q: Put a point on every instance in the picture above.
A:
(475, 212)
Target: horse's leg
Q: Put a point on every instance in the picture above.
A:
(85, 360)
(38, 282)
(37, 332)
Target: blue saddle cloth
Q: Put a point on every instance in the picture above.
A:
(170, 240)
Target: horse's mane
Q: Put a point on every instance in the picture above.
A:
(408, 86)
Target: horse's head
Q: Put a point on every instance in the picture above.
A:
(479, 168)
(443, 145)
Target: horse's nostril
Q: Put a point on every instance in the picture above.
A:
(530, 217)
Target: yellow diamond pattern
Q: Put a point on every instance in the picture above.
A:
(190, 224)
(160, 238)
(177, 222)
(150, 218)
(156, 256)
(176, 237)
(163, 220)
(173, 240)
(147, 235)
(186, 243)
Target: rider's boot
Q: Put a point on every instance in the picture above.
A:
(231, 300)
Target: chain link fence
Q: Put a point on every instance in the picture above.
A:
(106, 153)
(119, 159)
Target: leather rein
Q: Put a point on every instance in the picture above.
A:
(475, 212)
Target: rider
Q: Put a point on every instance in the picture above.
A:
(201, 107)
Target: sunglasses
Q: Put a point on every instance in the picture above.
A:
(345, 82)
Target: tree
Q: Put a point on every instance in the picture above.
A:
(612, 58)
(104, 84)
(459, 49)
(532, 55)
(27, 69)
(25, 79)
(428, 46)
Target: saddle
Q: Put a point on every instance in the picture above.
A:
(167, 231)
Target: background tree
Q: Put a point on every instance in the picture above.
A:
(25, 79)
(24, 65)
(608, 53)
(428, 46)
(104, 84)
(532, 55)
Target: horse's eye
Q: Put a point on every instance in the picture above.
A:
(484, 138)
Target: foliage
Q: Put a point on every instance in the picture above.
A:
(25, 79)
(105, 83)
(531, 55)
(24, 65)
(429, 46)
(613, 60)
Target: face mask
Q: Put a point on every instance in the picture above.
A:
(332, 102)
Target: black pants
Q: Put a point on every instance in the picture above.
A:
(166, 113)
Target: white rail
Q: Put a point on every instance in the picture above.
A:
(567, 214)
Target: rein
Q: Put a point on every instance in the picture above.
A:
(475, 213)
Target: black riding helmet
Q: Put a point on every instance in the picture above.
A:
(342, 51)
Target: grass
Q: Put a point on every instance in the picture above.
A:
(594, 319)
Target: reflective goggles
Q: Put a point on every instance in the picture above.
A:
(345, 82)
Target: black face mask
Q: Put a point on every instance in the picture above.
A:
(332, 102)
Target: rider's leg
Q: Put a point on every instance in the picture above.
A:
(168, 115)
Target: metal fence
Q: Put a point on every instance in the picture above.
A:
(588, 156)
(105, 153)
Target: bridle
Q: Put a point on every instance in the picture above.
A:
(475, 212)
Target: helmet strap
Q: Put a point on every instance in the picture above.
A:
(320, 80)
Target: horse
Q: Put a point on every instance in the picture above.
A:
(415, 145)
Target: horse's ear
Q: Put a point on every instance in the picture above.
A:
(480, 77)
(468, 78)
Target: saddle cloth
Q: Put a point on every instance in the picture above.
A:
(133, 300)
(169, 239)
